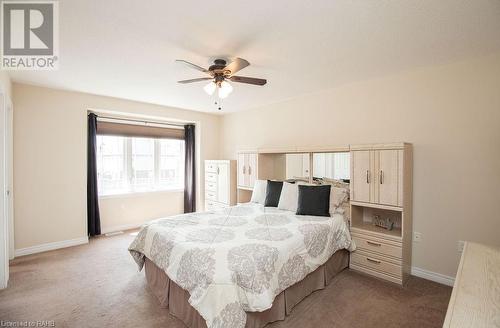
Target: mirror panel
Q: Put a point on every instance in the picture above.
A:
(298, 166)
(336, 166)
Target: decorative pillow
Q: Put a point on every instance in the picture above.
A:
(273, 193)
(259, 192)
(339, 201)
(289, 197)
(314, 200)
(338, 196)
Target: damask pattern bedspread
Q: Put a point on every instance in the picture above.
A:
(239, 258)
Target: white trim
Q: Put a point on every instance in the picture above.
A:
(433, 276)
(51, 246)
(4, 224)
(140, 193)
(121, 227)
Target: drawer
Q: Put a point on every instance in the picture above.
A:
(211, 205)
(210, 167)
(210, 186)
(210, 195)
(377, 246)
(376, 263)
(212, 177)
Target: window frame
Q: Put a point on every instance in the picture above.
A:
(127, 165)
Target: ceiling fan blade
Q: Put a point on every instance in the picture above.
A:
(195, 80)
(196, 67)
(249, 80)
(236, 65)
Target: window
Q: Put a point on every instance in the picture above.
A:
(133, 164)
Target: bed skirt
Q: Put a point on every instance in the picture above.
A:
(175, 299)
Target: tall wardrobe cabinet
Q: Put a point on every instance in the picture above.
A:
(381, 210)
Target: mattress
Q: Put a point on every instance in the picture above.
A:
(237, 260)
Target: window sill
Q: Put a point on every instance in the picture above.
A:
(140, 193)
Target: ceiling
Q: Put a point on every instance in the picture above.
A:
(126, 49)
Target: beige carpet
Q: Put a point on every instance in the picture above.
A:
(98, 285)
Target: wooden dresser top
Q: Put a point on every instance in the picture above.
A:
(475, 300)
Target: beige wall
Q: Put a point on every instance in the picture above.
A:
(450, 113)
(119, 212)
(50, 138)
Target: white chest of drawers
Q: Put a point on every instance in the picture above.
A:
(220, 184)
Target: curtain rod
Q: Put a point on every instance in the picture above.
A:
(140, 121)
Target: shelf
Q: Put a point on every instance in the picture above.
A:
(369, 228)
(380, 206)
(245, 188)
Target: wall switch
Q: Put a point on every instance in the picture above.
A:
(417, 237)
(460, 246)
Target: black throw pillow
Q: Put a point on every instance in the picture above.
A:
(273, 193)
(314, 200)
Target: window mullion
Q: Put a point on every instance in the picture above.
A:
(128, 163)
(157, 151)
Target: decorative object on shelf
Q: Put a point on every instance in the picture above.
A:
(383, 223)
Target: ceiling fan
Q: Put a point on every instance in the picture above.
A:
(219, 73)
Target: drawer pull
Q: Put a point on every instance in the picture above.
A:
(373, 244)
(373, 260)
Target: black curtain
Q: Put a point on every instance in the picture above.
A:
(189, 171)
(93, 217)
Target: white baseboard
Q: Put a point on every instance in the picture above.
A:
(121, 228)
(433, 276)
(50, 246)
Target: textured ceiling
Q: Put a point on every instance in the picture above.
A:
(127, 49)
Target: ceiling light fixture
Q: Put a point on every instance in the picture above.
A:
(224, 89)
(220, 73)
(210, 88)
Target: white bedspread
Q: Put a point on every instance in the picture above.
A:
(238, 259)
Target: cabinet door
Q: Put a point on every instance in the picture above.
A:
(252, 169)
(305, 165)
(241, 170)
(388, 177)
(223, 183)
(362, 176)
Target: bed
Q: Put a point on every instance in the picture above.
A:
(243, 266)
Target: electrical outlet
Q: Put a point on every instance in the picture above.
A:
(460, 246)
(417, 237)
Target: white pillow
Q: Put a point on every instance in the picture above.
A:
(259, 192)
(289, 197)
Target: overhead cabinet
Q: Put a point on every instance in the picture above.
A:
(247, 170)
(377, 176)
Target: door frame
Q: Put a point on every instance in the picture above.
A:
(4, 226)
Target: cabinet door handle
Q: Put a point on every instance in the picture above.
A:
(244, 170)
(367, 176)
(249, 170)
(373, 260)
(372, 243)
(217, 170)
(381, 177)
